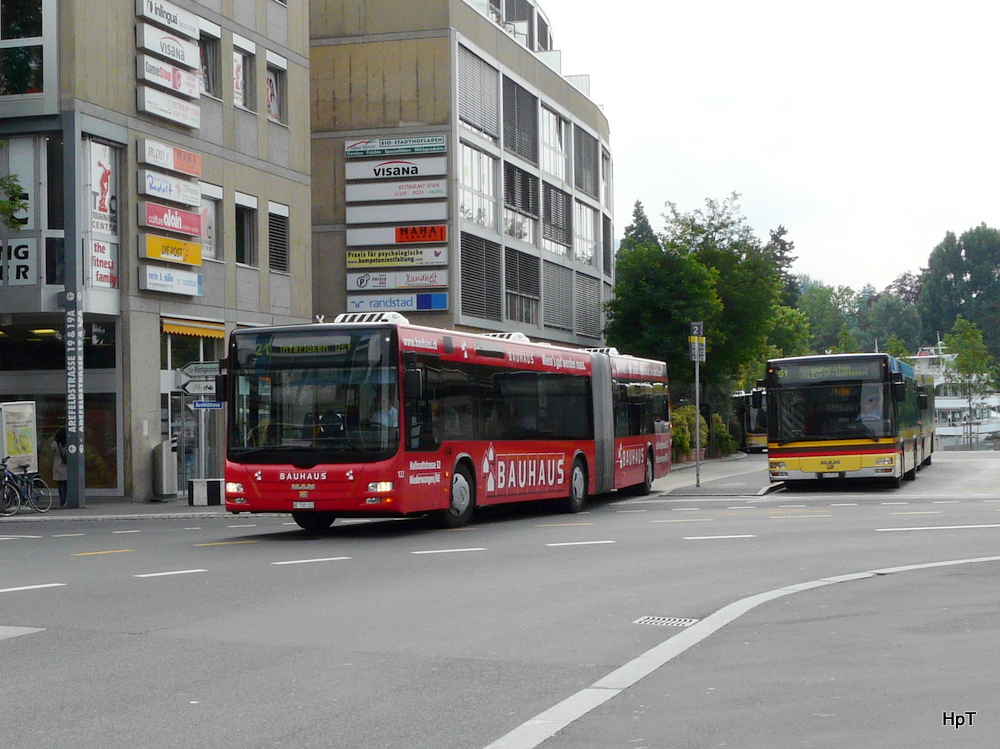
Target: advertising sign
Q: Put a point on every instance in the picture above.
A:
(21, 161)
(410, 190)
(103, 264)
(170, 281)
(354, 148)
(18, 436)
(406, 279)
(168, 44)
(397, 256)
(396, 168)
(161, 104)
(434, 301)
(380, 214)
(166, 187)
(436, 234)
(154, 153)
(409, 234)
(170, 219)
(169, 15)
(19, 262)
(169, 76)
(154, 247)
(103, 188)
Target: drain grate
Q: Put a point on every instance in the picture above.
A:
(666, 621)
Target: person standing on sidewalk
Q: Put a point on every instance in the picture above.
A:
(59, 463)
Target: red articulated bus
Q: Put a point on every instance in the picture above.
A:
(370, 416)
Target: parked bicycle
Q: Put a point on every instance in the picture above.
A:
(23, 488)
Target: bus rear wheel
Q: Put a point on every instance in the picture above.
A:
(647, 478)
(462, 502)
(314, 522)
(577, 488)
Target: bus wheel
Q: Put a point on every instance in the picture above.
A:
(314, 522)
(577, 488)
(463, 500)
(647, 481)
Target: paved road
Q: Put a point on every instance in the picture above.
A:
(243, 632)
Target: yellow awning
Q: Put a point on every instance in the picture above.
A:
(200, 328)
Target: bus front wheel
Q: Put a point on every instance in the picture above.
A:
(462, 501)
(314, 522)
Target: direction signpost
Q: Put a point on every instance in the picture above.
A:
(696, 343)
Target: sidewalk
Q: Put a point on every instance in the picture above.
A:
(738, 474)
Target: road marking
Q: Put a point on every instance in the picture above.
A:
(945, 502)
(135, 531)
(741, 507)
(844, 504)
(581, 543)
(546, 724)
(167, 574)
(568, 525)
(248, 525)
(685, 509)
(684, 520)
(7, 537)
(227, 543)
(936, 528)
(32, 587)
(310, 561)
(786, 517)
(631, 511)
(895, 503)
(713, 538)
(96, 553)
(448, 551)
(68, 535)
(7, 632)
(791, 506)
(197, 528)
(917, 512)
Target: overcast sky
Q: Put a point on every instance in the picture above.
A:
(867, 129)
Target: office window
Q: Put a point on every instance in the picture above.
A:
(246, 229)
(478, 102)
(585, 239)
(555, 145)
(209, 48)
(523, 286)
(275, 86)
(557, 208)
(478, 197)
(587, 306)
(585, 161)
(607, 251)
(243, 73)
(277, 237)
(606, 196)
(21, 68)
(211, 225)
(520, 121)
(480, 272)
(520, 198)
(558, 305)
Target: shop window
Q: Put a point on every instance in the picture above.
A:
(246, 229)
(275, 87)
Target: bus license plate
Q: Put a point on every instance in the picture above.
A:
(831, 475)
(303, 505)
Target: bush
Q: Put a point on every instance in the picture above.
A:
(722, 442)
(683, 419)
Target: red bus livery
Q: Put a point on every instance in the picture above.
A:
(373, 417)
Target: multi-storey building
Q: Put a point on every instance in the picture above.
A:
(458, 176)
(163, 151)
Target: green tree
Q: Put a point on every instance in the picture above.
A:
(780, 251)
(819, 304)
(748, 282)
(895, 346)
(11, 201)
(972, 367)
(891, 316)
(961, 279)
(640, 232)
(846, 342)
(658, 293)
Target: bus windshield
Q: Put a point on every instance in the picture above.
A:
(831, 412)
(313, 397)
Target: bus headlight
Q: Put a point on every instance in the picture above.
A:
(381, 486)
(234, 487)
(776, 466)
(885, 461)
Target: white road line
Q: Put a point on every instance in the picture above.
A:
(310, 561)
(936, 528)
(581, 543)
(713, 538)
(791, 506)
(67, 535)
(7, 632)
(8, 537)
(197, 528)
(895, 503)
(741, 507)
(135, 531)
(684, 520)
(685, 509)
(32, 587)
(945, 502)
(168, 574)
(249, 525)
(535, 731)
(844, 504)
(447, 551)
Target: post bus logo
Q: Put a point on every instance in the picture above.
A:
(521, 473)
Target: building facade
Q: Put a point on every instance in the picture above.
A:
(163, 151)
(458, 177)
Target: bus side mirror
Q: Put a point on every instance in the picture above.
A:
(756, 398)
(221, 387)
(898, 386)
(413, 384)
